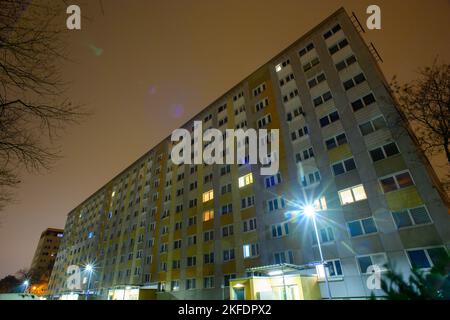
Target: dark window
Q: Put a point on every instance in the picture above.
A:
(366, 128)
(359, 78)
(327, 96)
(341, 139)
(355, 228)
(336, 28)
(388, 184)
(418, 259)
(338, 169)
(358, 104)
(369, 99)
(391, 149)
(341, 66)
(330, 143)
(376, 154)
(324, 121)
(334, 116)
(349, 84)
(349, 164)
(333, 49)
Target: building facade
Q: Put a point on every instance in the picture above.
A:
(44, 259)
(188, 230)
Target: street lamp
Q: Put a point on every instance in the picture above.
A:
(89, 269)
(26, 283)
(310, 212)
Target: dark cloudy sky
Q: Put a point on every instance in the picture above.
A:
(146, 67)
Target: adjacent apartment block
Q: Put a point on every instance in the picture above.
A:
(44, 259)
(188, 230)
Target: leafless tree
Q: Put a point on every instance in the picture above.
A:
(426, 104)
(33, 104)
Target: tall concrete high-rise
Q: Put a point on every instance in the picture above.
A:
(190, 230)
(44, 259)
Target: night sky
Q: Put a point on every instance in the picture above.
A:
(146, 67)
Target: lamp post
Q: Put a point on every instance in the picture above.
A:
(89, 269)
(310, 212)
(26, 283)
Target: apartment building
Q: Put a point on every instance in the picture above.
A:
(188, 230)
(44, 259)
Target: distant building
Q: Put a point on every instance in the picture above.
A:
(210, 231)
(44, 259)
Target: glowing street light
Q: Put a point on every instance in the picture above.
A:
(310, 212)
(89, 269)
(26, 283)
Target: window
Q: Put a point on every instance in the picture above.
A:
(325, 235)
(208, 282)
(193, 203)
(353, 82)
(363, 102)
(372, 125)
(247, 202)
(275, 204)
(338, 46)
(264, 121)
(333, 30)
(345, 63)
(227, 278)
(191, 261)
(294, 114)
(336, 141)
(383, 152)
(328, 119)
(310, 178)
(280, 230)
(259, 89)
(208, 195)
(411, 217)
(304, 155)
(316, 80)
(261, 104)
(364, 262)
(291, 95)
(284, 257)
(208, 235)
(306, 49)
(208, 215)
(228, 255)
(353, 194)
(225, 170)
(320, 204)
(176, 264)
(397, 181)
(225, 188)
(190, 284)
(344, 166)
(286, 79)
(177, 244)
(334, 268)
(192, 240)
(300, 133)
(245, 180)
(208, 258)
(249, 225)
(426, 257)
(226, 209)
(250, 250)
(227, 230)
(322, 99)
(192, 221)
(174, 285)
(361, 227)
(282, 65)
(310, 64)
(273, 180)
